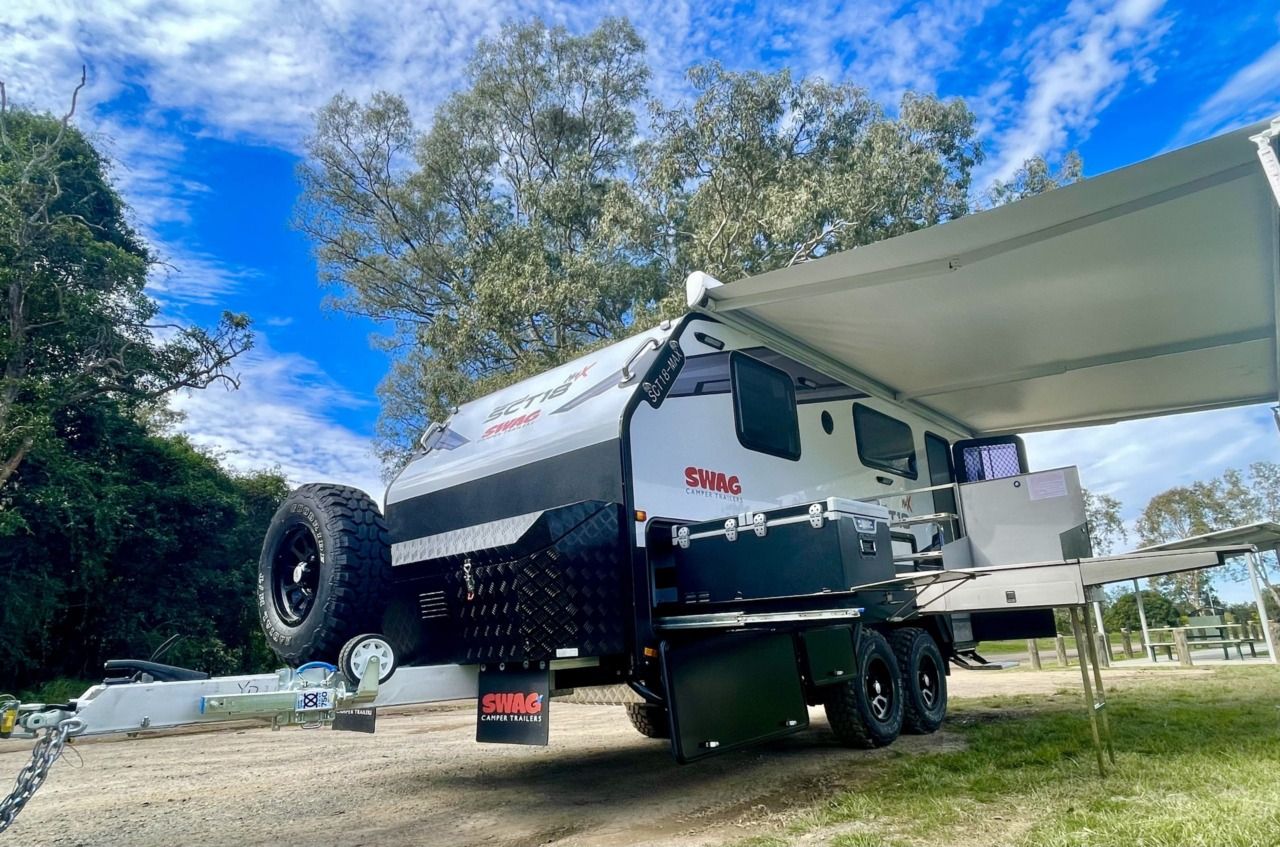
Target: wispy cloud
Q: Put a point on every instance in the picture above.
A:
(1251, 94)
(1136, 460)
(282, 416)
(1068, 70)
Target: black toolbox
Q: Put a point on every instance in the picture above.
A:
(828, 547)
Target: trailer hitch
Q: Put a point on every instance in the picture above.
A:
(311, 696)
(308, 701)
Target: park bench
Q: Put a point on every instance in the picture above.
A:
(1204, 631)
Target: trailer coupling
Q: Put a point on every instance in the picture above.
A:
(303, 699)
(314, 695)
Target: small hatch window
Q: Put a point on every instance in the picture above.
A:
(764, 407)
(884, 442)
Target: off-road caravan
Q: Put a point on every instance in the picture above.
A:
(688, 511)
(809, 490)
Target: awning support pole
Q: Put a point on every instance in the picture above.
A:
(1252, 559)
(1079, 622)
(1142, 617)
(1100, 696)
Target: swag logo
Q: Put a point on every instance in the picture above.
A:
(705, 482)
(512, 706)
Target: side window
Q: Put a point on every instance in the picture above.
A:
(764, 407)
(884, 442)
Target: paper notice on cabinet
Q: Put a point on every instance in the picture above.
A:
(1044, 486)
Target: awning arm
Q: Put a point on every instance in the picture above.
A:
(1267, 154)
(697, 284)
(1271, 167)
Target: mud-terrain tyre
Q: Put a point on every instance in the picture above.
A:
(649, 719)
(924, 680)
(867, 710)
(324, 574)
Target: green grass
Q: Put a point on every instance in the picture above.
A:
(1198, 765)
(1048, 649)
(55, 691)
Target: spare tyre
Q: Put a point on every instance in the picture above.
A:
(324, 574)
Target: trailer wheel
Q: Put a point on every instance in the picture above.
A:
(924, 680)
(649, 719)
(866, 711)
(324, 573)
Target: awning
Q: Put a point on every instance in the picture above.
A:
(1145, 291)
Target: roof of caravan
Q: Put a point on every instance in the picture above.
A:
(1145, 291)
(575, 405)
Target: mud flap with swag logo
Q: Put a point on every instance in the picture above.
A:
(514, 706)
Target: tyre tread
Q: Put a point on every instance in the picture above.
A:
(649, 719)
(360, 559)
(902, 641)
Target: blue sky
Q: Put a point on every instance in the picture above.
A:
(204, 106)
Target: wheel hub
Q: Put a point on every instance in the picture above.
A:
(366, 650)
(927, 693)
(878, 693)
(295, 575)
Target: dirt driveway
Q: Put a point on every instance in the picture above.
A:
(421, 780)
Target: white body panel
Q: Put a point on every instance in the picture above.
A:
(575, 405)
(698, 432)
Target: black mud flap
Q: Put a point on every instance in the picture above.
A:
(731, 690)
(514, 706)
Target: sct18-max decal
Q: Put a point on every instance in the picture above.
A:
(527, 406)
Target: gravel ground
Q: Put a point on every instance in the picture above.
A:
(422, 780)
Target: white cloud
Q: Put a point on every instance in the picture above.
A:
(282, 415)
(1135, 460)
(1074, 67)
(1251, 94)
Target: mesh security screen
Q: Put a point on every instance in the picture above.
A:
(990, 461)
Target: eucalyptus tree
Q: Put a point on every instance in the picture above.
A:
(489, 243)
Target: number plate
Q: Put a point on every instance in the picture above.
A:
(314, 700)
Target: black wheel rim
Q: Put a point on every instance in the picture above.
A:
(879, 685)
(295, 575)
(927, 678)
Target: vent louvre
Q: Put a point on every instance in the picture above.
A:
(431, 605)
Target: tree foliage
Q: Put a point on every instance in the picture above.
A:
(537, 218)
(1106, 527)
(1233, 499)
(129, 537)
(75, 321)
(762, 171)
(112, 536)
(488, 242)
(1122, 611)
(1036, 177)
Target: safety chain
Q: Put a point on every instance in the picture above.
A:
(48, 748)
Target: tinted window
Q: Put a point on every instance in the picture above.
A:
(884, 442)
(764, 407)
(937, 452)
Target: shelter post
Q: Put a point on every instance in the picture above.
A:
(1252, 559)
(1142, 618)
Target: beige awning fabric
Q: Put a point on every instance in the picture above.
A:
(1145, 291)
